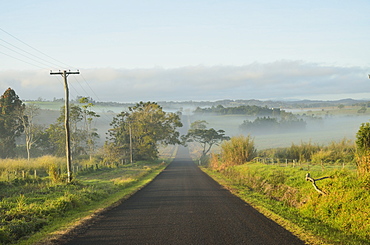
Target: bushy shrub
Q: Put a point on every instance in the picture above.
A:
(236, 151)
(363, 149)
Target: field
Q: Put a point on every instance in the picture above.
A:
(335, 125)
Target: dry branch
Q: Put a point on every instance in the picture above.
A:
(313, 181)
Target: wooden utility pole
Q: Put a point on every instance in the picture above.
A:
(129, 124)
(65, 74)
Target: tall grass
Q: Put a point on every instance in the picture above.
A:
(340, 217)
(236, 151)
(336, 152)
(42, 166)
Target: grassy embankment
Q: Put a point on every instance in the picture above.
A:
(34, 208)
(342, 216)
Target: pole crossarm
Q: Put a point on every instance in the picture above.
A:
(64, 72)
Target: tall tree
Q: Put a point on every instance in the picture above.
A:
(143, 129)
(88, 117)
(10, 122)
(32, 131)
(56, 132)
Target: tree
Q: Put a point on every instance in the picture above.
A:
(88, 116)
(207, 138)
(10, 122)
(56, 132)
(120, 136)
(32, 131)
(143, 128)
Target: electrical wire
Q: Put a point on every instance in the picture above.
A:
(45, 63)
(22, 60)
(26, 52)
(35, 48)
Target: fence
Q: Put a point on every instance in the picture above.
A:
(307, 165)
(9, 175)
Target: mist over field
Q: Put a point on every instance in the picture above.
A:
(322, 132)
(326, 125)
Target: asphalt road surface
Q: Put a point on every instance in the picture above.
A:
(184, 206)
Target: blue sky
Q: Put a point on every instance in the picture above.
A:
(129, 51)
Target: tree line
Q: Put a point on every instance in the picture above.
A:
(135, 134)
(252, 110)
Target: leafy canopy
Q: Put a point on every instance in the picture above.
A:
(143, 128)
(11, 126)
(207, 138)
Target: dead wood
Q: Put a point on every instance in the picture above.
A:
(313, 181)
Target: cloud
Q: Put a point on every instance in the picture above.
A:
(276, 80)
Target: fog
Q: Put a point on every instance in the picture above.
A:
(323, 132)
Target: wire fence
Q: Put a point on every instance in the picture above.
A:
(306, 165)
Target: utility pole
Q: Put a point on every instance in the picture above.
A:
(129, 125)
(65, 74)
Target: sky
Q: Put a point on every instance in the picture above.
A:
(162, 50)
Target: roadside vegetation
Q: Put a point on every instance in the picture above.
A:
(339, 214)
(38, 199)
(43, 205)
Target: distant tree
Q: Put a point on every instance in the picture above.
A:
(32, 131)
(10, 122)
(143, 128)
(56, 132)
(362, 110)
(207, 138)
(88, 117)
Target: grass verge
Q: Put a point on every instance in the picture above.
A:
(39, 212)
(284, 196)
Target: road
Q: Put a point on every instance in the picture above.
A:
(184, 206)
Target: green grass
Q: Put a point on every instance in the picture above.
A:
(37, 209)
(340, 217)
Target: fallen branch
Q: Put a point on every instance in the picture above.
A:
(313, 181)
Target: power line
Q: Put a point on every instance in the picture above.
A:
(21, 60)
(23, 55)
(25, 52)
(34, 48)
(36, 59)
